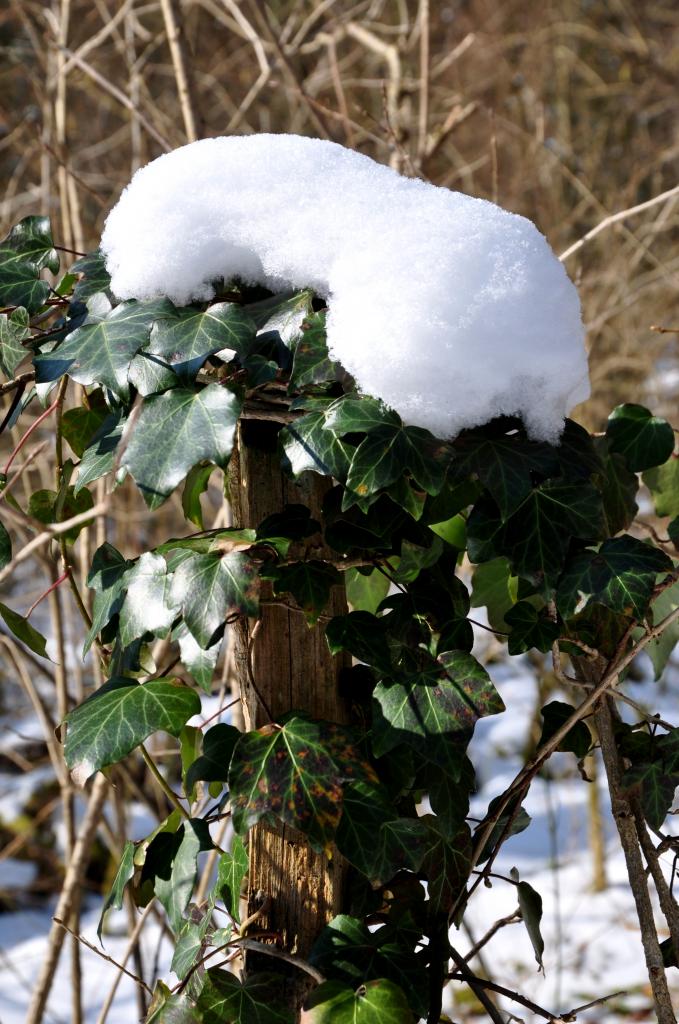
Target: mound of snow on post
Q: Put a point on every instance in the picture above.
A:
(448, 308)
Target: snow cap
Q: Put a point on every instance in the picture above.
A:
(448, 308)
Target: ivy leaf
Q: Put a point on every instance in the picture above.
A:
(99, 457)
(373, 837)
(183, 341)
(5, 547)
(530, 628)
(24, 631)
(620, 575)
(445, 699)
(119, 716)
(504, 465)
(201, 664)
(449, 794)
(282, 315)
(374, 1002)
(257, 1000)
(195, 485)
(537, 535)
(208, 588)
(308, 445)
(446, 864)
(100, 352)
(579, 739)
(213, 764)
(656, 787)
(173, 887)
(14, 328)
(170, 1008)
(310, 583)
(177, 430)
(286, 772)
(363, 635)
(311, 363)
(359, 414)
(660, 648)
(148, 606)
(191, 941)
(27, 250)
(530, 905)
(107, 578)
(495, 589)
(618, 486)
(80, 425)
(644, 440)
(231, 870)
(518, 822)
(123, 876)
(388, 452)
(366, 592)
(94, 277)
(663, 483)
(49, 507)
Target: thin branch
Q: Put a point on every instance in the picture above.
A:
(614, 218)
(104, 956)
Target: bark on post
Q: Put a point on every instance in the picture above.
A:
(296, 890)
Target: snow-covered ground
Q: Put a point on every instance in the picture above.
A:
(592, 946)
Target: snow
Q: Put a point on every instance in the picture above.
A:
(448, 308)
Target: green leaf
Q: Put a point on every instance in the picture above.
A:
(107, 578)
(196, 484)
(14, 328)
(311, 363)
(293, 773)
(504, 465)
(282, 315)
(310, 583)
(446, 864)
(530, 628)
(449, 794)
(308, 445)
(390, 451)
(24, 631)
(100, 352)
(511, 822)
(49, 507)
(99, 457)
(119, 716)
(373, 837)
(363, 635)
(374, 1002)
(359, 414)
(446, 699)
(656, 787)
(27, 250)
(618, 486)
(185, 339)
(366, 592)
(5, 547)
(213, 764)
(620, 575)
(643, 439)
(174, 888)
(201, 664)
(530, 905)
(169, 1008)
(231, 870)
(79, 426)
(191, 941)
(176, 431)
(663, 483)
(123, 876)
(495, 589)
(660, 648)
(257, 1000)
(149, 606)
(208, 588)
(94, 279)
(578, 740)
(415, 557)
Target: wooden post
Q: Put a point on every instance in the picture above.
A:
(296, 890)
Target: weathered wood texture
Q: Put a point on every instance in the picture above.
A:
(292, 669)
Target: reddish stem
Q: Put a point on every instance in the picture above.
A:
(49, 590)
(28, 433)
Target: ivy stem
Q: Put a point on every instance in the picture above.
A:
(162, 782)
(24, 439)
(49, 590)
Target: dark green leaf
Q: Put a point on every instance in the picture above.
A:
(621, 575)
(148, 606)
(444, 700)
(366, 592)
(446, 864)
(26, 251)
(119, 716)
(231, 870)
(390, 451)
(449, 794)
(373, 837)
(191, 941)
(196, 483)
(169, 1008)
(282, 315)
(94, 276)
(107, 579)
(102, 349)
(363, 635)
(50, 507)
(174, 888)
(183, 341)
(24, 631)
(177, 430)
(374, 1002)
(504, 465)
(213, 764)
(663, 483)
(123, 875)
(311, 363)
(508, 824)
(80, 426)
(358, 414)
(656, 787)
(579, 739)
(644, 440)
(257, 1000)
(5, 547)
(208, 588)
(310, 583)
(495, 589)
(13, 330)
(415, 557)
(530, 628)
(530, 905)
(308, 445)
(99, 458)
(660, 648)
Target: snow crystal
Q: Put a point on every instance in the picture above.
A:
(448, 308)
